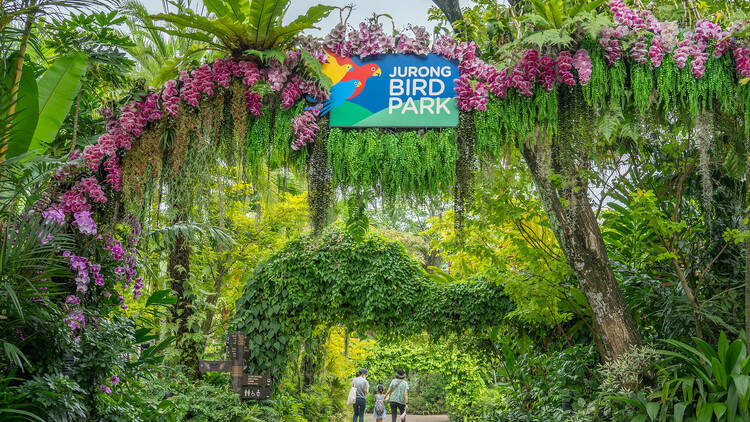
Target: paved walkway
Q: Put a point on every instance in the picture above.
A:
(414, 418)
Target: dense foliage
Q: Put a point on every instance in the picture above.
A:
(157, 187)
(365, 285)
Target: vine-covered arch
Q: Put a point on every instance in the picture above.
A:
(252, 110)
(364, 285)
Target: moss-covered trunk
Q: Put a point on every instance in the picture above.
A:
(559, 167)
(182, 311)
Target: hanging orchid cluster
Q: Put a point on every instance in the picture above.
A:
(693, 47)
(477, 79)
(89, 179)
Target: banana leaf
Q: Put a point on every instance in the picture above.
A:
(58, 87)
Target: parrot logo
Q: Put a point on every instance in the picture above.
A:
(348, 79)
(340, 92)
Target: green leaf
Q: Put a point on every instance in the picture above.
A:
(732, 362)
(719, 410)
(160, 297)
(719, 373)
(652, 408)
(278, 35)
(26, 114)
(558, 11)
(679, 411)
(217, 7)
(741, 382)
(316, 68)
(723, 346)
(262, 15)
(706, 348)
(267, 55)
(706, 412)
(27, 415)
(58, 87)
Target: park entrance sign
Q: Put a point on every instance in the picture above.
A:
(392, 90)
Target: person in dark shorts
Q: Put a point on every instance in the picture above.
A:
(398, 392)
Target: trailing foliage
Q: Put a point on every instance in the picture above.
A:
(394, 163)
(334, 279)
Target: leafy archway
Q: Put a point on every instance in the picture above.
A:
(365, 285)
(251, 110)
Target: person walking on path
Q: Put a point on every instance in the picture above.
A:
(398, 391)
(363, 387)
(378, 411)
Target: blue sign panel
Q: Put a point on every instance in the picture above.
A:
(393, 90)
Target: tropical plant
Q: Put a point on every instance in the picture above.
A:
(14, 401)
(107, 72)
(159, 56)
(700, 383)
(555, 22)
(241, 27)
(17, 22)
(42, 106)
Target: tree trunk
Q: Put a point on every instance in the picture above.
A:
(75, 123)
(220, 270)
(580, 238)
(313, 358)
(451, 10)
(179, 272)
(211, 300)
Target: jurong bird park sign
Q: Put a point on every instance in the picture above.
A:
(249, 387)
(391, 90)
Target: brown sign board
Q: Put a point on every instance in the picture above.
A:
(256, 380)
(214, 365)
(249, 392)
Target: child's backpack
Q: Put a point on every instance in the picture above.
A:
(379, 407)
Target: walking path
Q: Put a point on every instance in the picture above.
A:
(414, 418)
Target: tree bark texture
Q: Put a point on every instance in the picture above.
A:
(179, 272)
(450, 9)
(575, 226)
(580, 238)
(220, 270)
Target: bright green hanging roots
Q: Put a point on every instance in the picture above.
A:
(394, 163)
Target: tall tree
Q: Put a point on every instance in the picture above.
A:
(569, 211)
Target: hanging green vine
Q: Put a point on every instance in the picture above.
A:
(393, 163)
(319, 190)
(465, 171)
(642, 82)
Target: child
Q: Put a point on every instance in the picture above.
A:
(379, 408)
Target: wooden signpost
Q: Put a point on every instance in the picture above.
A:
(249, 387)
